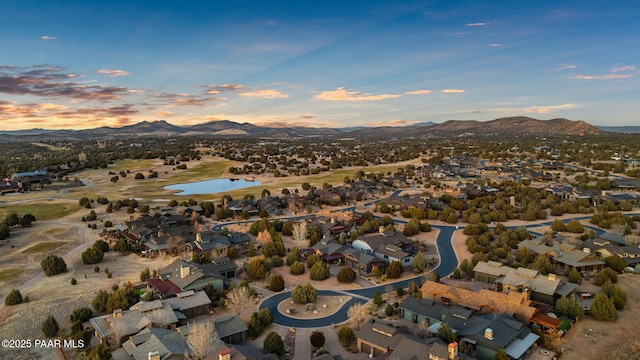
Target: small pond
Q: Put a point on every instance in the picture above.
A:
(211, 186)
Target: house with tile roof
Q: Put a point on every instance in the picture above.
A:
(513, 303)
(541, 288)
(564, 255)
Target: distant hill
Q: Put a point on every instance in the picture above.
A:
(504, 127)
(621, 129)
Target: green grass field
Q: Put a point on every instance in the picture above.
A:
(10, 274)
(42, 211)
(43, 247)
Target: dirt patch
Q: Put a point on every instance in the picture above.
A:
(592, 339)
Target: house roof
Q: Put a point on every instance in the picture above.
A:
(166, 342)
(511, 302)
(508, 333)
(381, 335)
(188, 300)
(229, 325)
(165, 287)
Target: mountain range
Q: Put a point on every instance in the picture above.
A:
(510, 127)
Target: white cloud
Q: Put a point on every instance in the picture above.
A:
(601, 77)
(419, 92)
(565, 67)
(113, 72)
(495, 45)
(340, 94)
(478, 24)
(265, 94)
(394, 122)
(452, 91)
(624, 68)
(47, 37)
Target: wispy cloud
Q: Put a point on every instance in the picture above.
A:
(113, 72)
(495, 45)
(340, 94)
(394, 122)
(620, 72)
(452, 91)
(624, 68)
(601, 77)
(47, 37)
(478, 24)
(538, 109)
(565, 67)
(170, 99)
(419, 92)
(265, 94)
(217, 89)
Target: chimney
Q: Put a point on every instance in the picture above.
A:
(380, 229)
(185, 270)
(552, 277)
(153, 355)
(453, 350)
(488, 333)
(117, 313)
(160, 233)
(224, 354)
(198, 237)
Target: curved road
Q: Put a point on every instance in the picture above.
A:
(448, 263)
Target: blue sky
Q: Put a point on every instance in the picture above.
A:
(70, 64)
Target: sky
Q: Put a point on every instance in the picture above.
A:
(86, 64)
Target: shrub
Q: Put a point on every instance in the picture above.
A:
(100, 301)
(265, 317)
(53, 265)
(256, 268)
(317, 338)
(575, 277)
(346, 275)
(255, 327)
(96, 268)
(377, 298)
(605, 275)
(304, 293)
(276, 261)
(273, 343)
(602, 308)
(394, 270)
(276, 283)
(388, 310)
(81, 314)
(297, 268)
(615, 263)
(50, 327)
(139, 176)
(419, 263)
(312, 260)
(122, 246)
(74, 281)
(319, 271)
(14, 298)
(92, 255)
(346, 335)
(400, 290)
